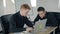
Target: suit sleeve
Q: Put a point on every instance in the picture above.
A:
(57, 15)
(36, 19)
(28, 23)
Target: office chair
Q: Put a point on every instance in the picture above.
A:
(5, 24)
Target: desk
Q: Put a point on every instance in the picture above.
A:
(48, 31)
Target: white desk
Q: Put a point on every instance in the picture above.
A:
(48, 31)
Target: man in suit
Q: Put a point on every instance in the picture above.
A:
(42, 14)
(18, 20)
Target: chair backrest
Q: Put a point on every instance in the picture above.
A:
(5, 23)
(57, 15)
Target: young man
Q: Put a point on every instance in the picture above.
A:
(42, 14)
(21, 19)
(18, 20)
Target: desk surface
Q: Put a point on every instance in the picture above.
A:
(48, 30)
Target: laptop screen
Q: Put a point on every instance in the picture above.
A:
(39, 25)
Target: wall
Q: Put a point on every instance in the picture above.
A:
(1, 7)
(49, 5)
(10, 7)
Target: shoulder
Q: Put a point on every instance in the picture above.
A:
(37, 17)
(15, 15)
(50, 13)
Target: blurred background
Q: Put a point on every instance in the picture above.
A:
(13, 6)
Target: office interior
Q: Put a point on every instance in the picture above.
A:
(12, 6)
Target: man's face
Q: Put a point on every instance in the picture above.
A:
(25, 12)
(41, 14)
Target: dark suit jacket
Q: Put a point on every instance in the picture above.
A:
(51, 19)
(15, 23)
(57, 15)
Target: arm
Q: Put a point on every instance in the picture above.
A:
(36, 19)
(28, 23)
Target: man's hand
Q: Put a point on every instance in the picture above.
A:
(29, 29)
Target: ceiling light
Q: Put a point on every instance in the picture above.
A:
(33, 3)
(4, 3)
(13, 1)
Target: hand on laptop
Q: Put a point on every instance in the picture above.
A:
(29, 29)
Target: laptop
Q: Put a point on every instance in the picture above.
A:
(39, 26)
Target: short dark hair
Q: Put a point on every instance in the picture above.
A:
(26, 6)
(40, 9)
